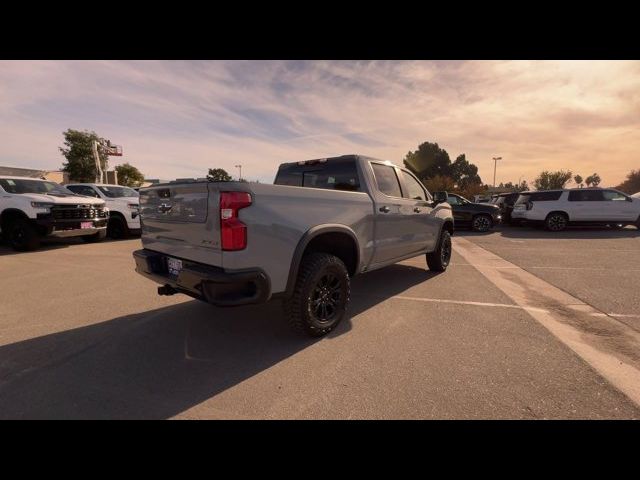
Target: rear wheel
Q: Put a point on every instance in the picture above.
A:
(481, 223)
(22, 235)
(117, 228)
(320, 297)
(439, 259)
(556, 222)
(96, 237)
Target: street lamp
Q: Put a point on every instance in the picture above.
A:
(240, 168)
(495, 163)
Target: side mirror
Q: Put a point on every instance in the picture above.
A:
(440, 197)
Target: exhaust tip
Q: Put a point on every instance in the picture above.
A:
(166, 290)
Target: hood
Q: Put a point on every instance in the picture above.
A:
(62, 199)
(135, 200)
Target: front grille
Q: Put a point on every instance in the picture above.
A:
(77, 212)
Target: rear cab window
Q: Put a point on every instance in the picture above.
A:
(328, 174)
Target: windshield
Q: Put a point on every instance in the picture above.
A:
(117, 192)
(16, 185)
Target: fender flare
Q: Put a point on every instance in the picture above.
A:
(306, 238)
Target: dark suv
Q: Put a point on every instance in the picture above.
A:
(481, 217)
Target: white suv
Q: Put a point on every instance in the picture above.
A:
(557, 209)
(31, 209)
(123, 203)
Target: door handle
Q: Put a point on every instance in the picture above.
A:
(417, 210)
(164, 208)
(385, 209)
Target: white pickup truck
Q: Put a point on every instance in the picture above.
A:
(123, 203)
(31, 209)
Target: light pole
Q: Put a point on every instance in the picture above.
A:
(240, 168)
(495, 163)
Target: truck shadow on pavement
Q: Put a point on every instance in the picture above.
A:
(157, 364)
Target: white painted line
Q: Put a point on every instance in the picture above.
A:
(607, 344)
(461, 302)
(624, 315)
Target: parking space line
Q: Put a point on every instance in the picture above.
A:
(607, 344)
(462, 302)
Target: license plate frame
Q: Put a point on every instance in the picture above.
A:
(174, 266)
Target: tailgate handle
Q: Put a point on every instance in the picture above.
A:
(164, 208)
(385, 209)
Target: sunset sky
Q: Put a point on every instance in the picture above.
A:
(178, 118)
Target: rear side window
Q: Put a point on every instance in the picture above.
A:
(332, 174)
(387, 180)
(585, 196)
(543, 196)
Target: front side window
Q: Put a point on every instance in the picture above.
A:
(387, 180)
(611, 195)
(414, 189)
(117, 192)
(452, 200)
(83, 190)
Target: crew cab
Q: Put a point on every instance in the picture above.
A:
(481, 217)
(301, 239)
(557, 209)
(123, 204)
(32, 209)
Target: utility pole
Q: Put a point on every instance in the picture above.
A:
(495, 163)
(240, 168)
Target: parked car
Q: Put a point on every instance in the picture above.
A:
(506, 201)
(301, 239)
(123, 203)
(481, 217)
(32, 209)
(557, 209)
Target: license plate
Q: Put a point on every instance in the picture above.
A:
(86, 224)
(174, 266)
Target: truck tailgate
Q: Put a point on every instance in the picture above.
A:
(182, 221)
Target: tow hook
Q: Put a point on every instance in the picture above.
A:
(166, 290)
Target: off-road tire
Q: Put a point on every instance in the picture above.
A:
(22, 235)
(300, 308)
(117, 228)
(439, 259)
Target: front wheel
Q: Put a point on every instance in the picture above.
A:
(23, 236)
(482, 223)
(117, 228)
(320, 297)
(439, 259)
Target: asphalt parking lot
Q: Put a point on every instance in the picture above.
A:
(83, 336)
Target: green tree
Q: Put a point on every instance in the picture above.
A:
(632, 184)
(129, 175)
(218, 175)
(593, 180)
(578, 180)
(464, 173)
(552, 180)
(78, 151)
(440, 183)
(523, 186)
(428, 161)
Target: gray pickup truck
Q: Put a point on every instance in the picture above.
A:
(323, 221)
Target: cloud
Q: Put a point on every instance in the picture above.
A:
(178, 118)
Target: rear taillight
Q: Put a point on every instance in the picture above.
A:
(233, 233)
(529, 205)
